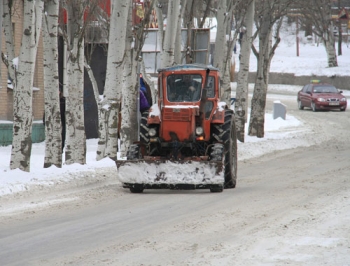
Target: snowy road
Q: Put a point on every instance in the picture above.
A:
(291, 207)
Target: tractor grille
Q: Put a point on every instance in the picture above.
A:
(177, 114)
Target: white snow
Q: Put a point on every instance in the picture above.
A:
(155, 110)
(312, 60)
(169, 172)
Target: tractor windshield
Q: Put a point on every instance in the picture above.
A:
(184, 87)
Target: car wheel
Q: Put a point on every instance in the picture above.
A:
(300, 105)
(313, 107)
(342, 109)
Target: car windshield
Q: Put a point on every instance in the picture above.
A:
(325, 89)
(184, 88)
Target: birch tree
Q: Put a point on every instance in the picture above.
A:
(224, 45)
(167, 55)
(135, 37)
(319, 12)
(130, 90)
(75, 151)
(178, 39)
(122, 82)
(1, 12)
(241, 103)
(7, 58)
(98, 32)
(188, 22)
(220, 40)
(53, 127)
(23, 81)
(111, 100)
(270, 12)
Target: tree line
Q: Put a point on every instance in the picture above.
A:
(117, 106)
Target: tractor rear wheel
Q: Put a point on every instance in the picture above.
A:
(226, 133)
(144, 128)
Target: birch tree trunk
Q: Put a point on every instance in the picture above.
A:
(9, 41)
(76, 138)
(188, 19)
(226, 81)
(264, 57)
(257, 115)
(130, 99)
(223, 51)
(178, 38)
(111, 101)
(1, 12)
(270, 17)
(23, 91)
(53, 127)
(160, 35)
(167, 56)
(329, 44)
(241, 103)
(220, 40)
(328, 36)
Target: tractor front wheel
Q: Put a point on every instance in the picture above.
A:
(133, 153)
(226, 134)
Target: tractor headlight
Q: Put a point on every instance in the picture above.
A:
(199, 131)
(152, 132)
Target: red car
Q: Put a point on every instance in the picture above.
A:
(321, 96)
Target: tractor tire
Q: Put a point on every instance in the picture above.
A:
(313, 107)
(133, 153)
(144, 128)
(216, 152)
(226, 134)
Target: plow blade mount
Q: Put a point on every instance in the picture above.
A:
(168, 174)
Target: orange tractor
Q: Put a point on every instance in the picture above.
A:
(187, 139)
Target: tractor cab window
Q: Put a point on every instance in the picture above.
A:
(184, 88)
(211, 87)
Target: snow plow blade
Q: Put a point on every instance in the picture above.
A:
(171, 174)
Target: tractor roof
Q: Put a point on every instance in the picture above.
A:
(189, 67)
